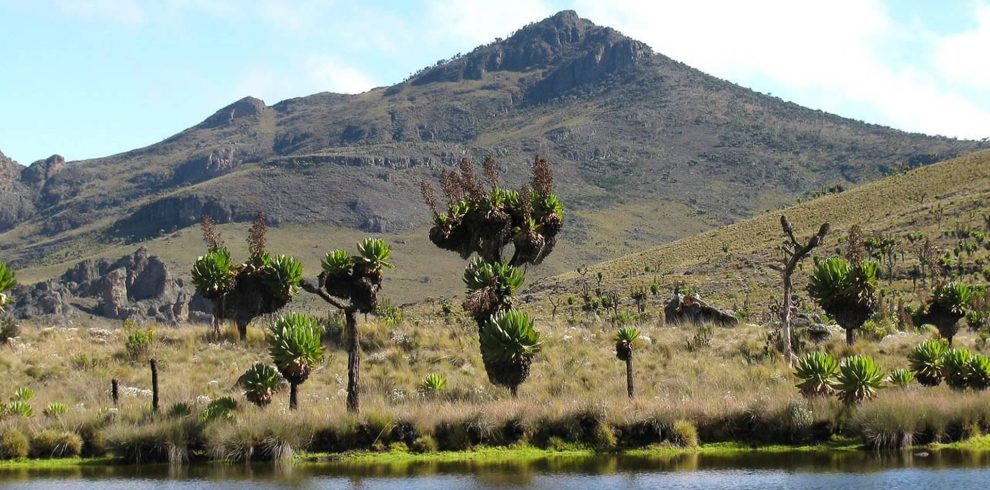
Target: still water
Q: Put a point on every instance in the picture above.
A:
(857, 470)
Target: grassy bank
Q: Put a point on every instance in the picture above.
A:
(728, 389)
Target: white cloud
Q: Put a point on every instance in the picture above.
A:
(329, 74)
(831, 51)
(961, 57)
(478, 22)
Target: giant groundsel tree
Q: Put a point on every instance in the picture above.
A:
(261, 285)
(847, 292)
(484, 219)
(351, 284)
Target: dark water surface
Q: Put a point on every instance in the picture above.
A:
(852, 470)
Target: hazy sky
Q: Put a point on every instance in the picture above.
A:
(88, 78)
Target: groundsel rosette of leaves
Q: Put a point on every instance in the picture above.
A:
(925, 361)
(432, 385)
(295, 346)
(859, 379)
(7, 282)
(508, 344)
(816, 371)
(624, 340)
(846, 292)
(261, 382)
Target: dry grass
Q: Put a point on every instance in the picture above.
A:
(728, 391)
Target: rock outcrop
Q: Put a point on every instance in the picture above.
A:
(688, 308)
(135, 286)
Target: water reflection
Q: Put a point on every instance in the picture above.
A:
(746, 470)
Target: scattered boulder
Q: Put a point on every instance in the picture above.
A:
(49, 298)
(690, 308)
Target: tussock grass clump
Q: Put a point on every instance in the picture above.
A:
(52, 444)
(13, 444)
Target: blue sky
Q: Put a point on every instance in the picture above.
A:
(89, 78)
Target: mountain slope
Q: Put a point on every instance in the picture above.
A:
(731, 265)
(645, 150)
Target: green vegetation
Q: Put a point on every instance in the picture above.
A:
(295, 346)
(624, 340)
(858, 379)
(508, 344)
(350, 283)
(815, 371)
(261, 382)
(7, 282)
(846, 292)
(948, 305)
(926, 361)
(261, 285)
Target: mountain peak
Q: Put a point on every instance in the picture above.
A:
(561, 41)
(246, 107)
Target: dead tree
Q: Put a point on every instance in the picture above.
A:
(794, 252)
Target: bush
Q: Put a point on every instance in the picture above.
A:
(859, 379)
(979, 372)
(955, 368)
(8, 330)
(13, 444)
(51, 444)
(925, 361)
(815, 370)
(901, 377)
(139, 343)
(684, 434)
(424, 444)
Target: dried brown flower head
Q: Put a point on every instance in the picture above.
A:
(257, 235)
(491, 172)
(469, 180)
(542, 177)
(429, 197)
(211, 235)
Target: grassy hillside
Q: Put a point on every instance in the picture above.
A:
(730, 265)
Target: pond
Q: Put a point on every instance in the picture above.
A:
(945, 469)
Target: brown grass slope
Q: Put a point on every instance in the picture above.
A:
(730, 265)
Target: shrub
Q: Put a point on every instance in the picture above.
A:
(55, 409)
(22, 395)
(13, 444)
(433, 385)
(815, 370)
(19, 408)
(179, 410)
(508, 345)
(859, 379)
(948, 305)
(260, 382)
(139, 343)
(979, 372)
(424, 444)
(956, 367)
(51, 444)
(901, 377)
(220, 408)
(684, 433)
(925, 361)
(7, 282)
(9, 330)
(295, 346)
(846, 292)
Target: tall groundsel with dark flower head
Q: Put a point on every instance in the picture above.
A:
(484, 219)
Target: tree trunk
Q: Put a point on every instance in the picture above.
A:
(514, 389)
(114, 391)
(242, 329)
(154, 385)
(850, 336)
(293, 396)
(785, 317)
(353, 362)
(629, 376)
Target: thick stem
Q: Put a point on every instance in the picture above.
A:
(154, 385)
(514, 389)
(850, 336)
(786, 317)
(353, 362)
(242, 329)
(629, 376)
(114, 391)
(293, 396)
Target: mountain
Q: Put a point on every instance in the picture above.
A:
(645, 150)
(943, 204)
